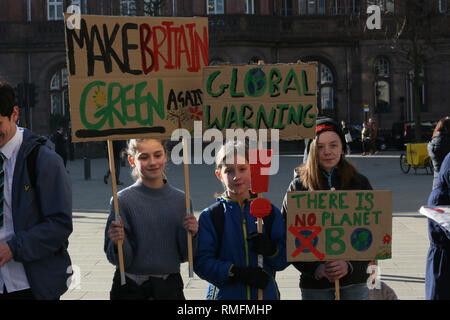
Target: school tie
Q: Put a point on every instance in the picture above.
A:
(2, 196)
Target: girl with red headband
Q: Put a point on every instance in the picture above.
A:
(327, 169)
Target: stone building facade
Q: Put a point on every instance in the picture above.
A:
(357, 67)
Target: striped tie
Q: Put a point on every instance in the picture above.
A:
(2, 196)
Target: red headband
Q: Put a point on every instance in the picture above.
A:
(321, 127)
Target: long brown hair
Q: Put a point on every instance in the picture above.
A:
(442, 126)
(310, 174)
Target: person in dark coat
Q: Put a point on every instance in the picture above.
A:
(439, 146)
(118, 145)
(437, 274)
(60, 141)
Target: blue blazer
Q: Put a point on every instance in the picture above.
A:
(42, 217)
(437, 274)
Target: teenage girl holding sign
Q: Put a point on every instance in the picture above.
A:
(228, 243)
(326, 169)
(153, 228)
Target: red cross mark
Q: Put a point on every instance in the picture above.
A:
(306, 242)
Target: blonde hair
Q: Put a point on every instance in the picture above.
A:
(227, 153)
(132, 149)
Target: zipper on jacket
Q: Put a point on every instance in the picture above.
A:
(244, 229)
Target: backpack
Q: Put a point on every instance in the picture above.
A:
(217, 215)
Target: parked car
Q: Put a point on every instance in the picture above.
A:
(404, 132)
(355, 130)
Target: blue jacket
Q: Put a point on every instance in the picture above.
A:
(236, 249)
(437, 274)
(42, 220)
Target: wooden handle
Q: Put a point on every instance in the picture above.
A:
(337, 290)
(188, 206)
(112, 169)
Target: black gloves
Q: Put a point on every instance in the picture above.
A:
(262, 244)
(251, 276)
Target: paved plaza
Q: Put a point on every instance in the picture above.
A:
(404, 272)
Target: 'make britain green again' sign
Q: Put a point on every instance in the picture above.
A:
(135, 77)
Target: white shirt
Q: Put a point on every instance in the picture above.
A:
(12, 274)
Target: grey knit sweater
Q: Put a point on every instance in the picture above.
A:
(155, 240)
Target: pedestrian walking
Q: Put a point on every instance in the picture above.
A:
(327, 169)
(373, 133)
(118, 146)
(35, 211)
(228, 242)
(439, 146)
(153, 228)
(60, 141)
(437, 274)
(347, 135)
(365, 138)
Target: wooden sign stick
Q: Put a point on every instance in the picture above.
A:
(260, 221)
(188, 206)
(112, 169)
(337, 291)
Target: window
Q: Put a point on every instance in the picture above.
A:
(443, 6)
(55, 9)
(325, 86)
(82, 4)
(153, 7)
(215, 6)
(59, 94)
(311, 7)
(382, 85)
(385, 5)
(283, 7)
(128, 7)
(249, 6)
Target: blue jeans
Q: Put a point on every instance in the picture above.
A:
(351, 292)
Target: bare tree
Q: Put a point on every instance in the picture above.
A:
(413, 37)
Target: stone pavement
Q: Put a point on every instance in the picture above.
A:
(404, 273)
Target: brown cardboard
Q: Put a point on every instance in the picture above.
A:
(279, 96)
(115, 94)
(336, 225)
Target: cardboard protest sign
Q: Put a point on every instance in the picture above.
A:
(135, 76)
(280, 96)
(339, 225)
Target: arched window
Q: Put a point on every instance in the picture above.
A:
(59, 94)
(382, 85)
(325, 87)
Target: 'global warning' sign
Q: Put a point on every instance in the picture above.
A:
(339, 225)
(278, 96)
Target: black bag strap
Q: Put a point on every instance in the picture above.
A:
(32, 159)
